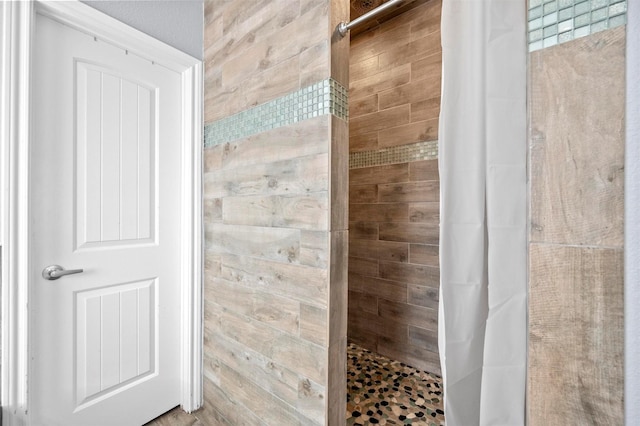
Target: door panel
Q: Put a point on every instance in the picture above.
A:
(115, 341)
(105, 197)
(116, 146)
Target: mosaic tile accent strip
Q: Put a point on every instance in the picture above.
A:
(321, 98)
(557, 21)
(397, 154)
(385, 392)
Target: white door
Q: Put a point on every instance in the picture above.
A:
(105, 342)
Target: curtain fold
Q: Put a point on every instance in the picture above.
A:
(483, 193)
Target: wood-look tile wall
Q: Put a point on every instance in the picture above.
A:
(275, 208)
(576, 243)
(395, 73)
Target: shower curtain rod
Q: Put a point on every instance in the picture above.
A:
(344, 27)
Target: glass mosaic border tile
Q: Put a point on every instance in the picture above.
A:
(398, 154)
(321, 98)
(557, 21)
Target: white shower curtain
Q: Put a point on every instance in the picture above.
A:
(482, 158)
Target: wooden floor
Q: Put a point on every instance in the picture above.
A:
(176, 417)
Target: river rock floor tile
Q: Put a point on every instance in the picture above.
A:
(381, 391)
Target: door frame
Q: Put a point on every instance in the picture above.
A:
(16, 43)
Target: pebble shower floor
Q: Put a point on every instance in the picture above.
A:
(381, 391)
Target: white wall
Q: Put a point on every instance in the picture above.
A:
(178, 23)
(632, 220)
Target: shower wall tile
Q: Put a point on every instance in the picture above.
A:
(397, 154)
(576, 250)
(275, 209)
(409, 133)
(381, 174)
(321, 98)
(586, 155)
(383, 289)
(394, 95)
(552, 22)
(576, 319)
(427, 212)
(254, 61)
(409, 192)
(424, 254)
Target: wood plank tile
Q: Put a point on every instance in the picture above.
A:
(359, 142)
(409, 192)
(366, 46)
(414, 91)
(221, 409)
(315, 64)
(408, 314)
(300, 356)
(363, 249)
(409, 133)
(417, 233)
(409, 273)
(380, 250)
(379, 174)
(425, 110)
(371, 323)
(212, 158)
(424, 170)
(429, 67)
(270, 50)
(580, 143)
(363, 301)
(213, 209)
(412, 51)
(280, 244)
(264, 372)
(267, 406)
(381, 120)
(308, 211)
(293, 176)
(279, 144)
(363, 230)
(339, 175)
(302, 283)
(427, 22)
(424, 254)
(393, 251)
(414, 356)
(423, 338)
(363, 194)
(368, 267)
(338, 287)
(336, 402)
(576, 335)
(421, 295)
(313, 324)
(384, 289)
(391, 212)
(212, 263)
(280, 312)
(362, 69)
(364, 338)
(314, 248)
(428, 213)
(375, 83)
(363, 106)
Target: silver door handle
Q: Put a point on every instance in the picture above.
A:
(53, 272)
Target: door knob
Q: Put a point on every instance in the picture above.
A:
(53, 272)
